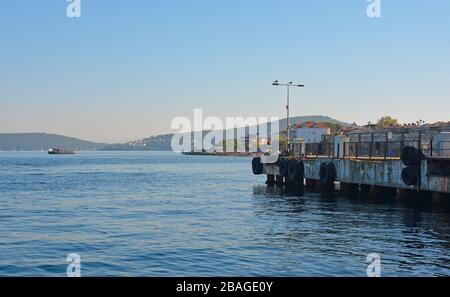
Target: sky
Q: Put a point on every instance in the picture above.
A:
(125, 69)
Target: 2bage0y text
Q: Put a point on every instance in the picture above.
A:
(225, 287)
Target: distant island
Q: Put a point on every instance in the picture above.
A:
(44, 141)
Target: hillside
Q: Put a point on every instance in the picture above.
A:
(43, 141)
(313, 118)
(162, 142)
(153, 143)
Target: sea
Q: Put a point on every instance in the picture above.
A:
(166, 214)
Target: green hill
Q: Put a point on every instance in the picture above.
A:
(43, 141)
(313, 118)
(153, 143)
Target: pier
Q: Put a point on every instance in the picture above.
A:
(377, 163)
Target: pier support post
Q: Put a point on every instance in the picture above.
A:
(312, 184)
(279, 181)
(381, 194)
(348, 189)
(270, 180)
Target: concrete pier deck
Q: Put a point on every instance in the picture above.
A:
(373, 172)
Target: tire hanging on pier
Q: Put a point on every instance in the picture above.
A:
(331, 172)
(410, 176)
(301, 171)
(257, 166)
(296, 171)
(412, 159)
(283, 167)
(323, 173)
(411, 156)
(327, 174)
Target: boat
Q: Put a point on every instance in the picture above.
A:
(198, 154)
(61, 151)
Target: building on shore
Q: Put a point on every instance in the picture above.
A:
(372, 141)
(311, 132)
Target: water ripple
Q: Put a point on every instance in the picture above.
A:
(161, 214)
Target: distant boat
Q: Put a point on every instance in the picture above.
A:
(60, 151)
(198, 154)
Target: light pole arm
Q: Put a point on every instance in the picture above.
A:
(288, 120)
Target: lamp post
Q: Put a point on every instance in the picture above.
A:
(288, 122)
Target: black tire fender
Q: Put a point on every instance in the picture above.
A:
(283, 167)
(300, 171)
(409, 175)
(292, 170)
(257, 166)
(411, 156)
(331, 172)
(323, 173)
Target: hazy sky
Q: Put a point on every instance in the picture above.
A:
(125, 69)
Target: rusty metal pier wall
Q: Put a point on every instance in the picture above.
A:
(373, 173)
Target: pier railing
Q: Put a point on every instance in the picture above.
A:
(319, 150)
(375, 149)
(442, 149)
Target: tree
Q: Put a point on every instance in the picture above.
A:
(387, 122)
(335, 127)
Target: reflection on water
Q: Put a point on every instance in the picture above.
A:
(162, 214)
(411, 241)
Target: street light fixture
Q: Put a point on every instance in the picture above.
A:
(288, 122)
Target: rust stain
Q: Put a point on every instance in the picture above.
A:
(371, 172)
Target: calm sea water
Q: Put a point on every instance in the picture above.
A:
(162, 214)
